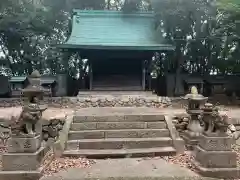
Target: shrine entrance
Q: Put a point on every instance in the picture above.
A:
(117, 74)
(119, 46)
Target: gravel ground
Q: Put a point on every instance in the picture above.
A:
(61, 164)
(184, 160)
(236, 148)
(2, 150)
(55, 165)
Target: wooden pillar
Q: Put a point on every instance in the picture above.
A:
(90, 75)
(166, 64)
(143, 76)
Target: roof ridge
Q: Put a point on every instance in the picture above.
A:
(111, 12)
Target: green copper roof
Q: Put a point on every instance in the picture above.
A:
(114, 30)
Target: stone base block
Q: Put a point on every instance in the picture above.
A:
(190, 142)
(179, 145)
(215, 159)
(215, 143)
(38, 127)
(221, 173)
(24, 144)
(22, 161)
(20, 175)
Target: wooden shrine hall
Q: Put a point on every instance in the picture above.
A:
(119, 47)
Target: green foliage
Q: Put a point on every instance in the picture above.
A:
(206, 35)
(26, 30)
(229, 5)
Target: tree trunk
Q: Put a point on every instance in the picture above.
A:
(108, 4)
(29, 66)
(177, 89)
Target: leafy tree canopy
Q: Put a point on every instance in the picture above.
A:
(206, 33)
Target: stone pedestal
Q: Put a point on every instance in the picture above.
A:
(214, 157)
(24, 144)
(23, 159)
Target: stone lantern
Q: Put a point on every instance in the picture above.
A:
(194, 110)
(25, 150)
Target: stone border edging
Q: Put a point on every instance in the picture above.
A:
(59, 145)
(178, 142)
(103, 101)
(61, 176)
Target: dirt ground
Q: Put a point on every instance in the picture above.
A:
(50, 113)
(59, 113)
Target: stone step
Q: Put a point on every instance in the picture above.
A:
(116, 93)
(120, 153)
(118, 143)
(117, 88)
(80, 118)
(123, 133)
(118, 125)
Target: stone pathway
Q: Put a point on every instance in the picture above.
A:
(128, 169)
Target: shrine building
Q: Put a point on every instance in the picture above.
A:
(119, 47)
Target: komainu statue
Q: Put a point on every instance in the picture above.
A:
(221, 122)
(28, 121)
(214, 121)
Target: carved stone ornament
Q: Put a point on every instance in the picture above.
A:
(214, 122)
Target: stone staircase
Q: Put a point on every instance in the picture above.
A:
(116, 135)
(117, 82)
